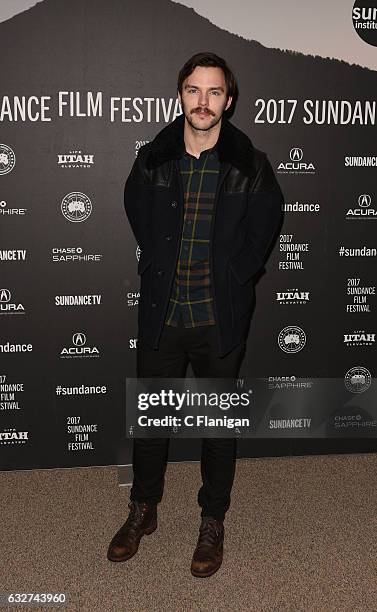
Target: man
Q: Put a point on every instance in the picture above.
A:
(204, 206)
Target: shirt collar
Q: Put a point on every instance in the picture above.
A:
(213, 149)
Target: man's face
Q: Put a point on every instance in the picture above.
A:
(204, 97)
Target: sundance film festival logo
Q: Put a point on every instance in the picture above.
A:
(79, 348)
(7, 305)
(7, 159)
(292, 339)
(76, 207)
(357, 379)
(364, 18)
(364, 209)
(359, 338)
(359, 295)
(75, 159)
(297, 164)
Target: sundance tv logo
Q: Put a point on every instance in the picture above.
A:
(297, 164)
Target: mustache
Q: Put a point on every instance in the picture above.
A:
(200, 109)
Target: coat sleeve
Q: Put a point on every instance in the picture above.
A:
(263, 220)
(136, 203)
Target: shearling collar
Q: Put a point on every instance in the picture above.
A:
(233, 146)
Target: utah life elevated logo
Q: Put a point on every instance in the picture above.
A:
(297, 165)
(79, 348)
(75, 159)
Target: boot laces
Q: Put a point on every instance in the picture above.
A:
(136, 515)
(209, 531)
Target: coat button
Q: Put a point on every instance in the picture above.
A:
(168, 238)
(160, 272)
(174, 204)
(154, 304)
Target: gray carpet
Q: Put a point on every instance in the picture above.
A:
(300, 536)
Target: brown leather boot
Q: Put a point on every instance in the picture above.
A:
(141, 520)
(208, 554)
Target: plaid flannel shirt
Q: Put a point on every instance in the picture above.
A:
(191, 301)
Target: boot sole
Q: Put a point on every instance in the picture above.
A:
(207, 574)
(121, 559)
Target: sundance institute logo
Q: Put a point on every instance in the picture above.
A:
(364, 18)
(7, 159)
(76, 207)
(292, 339)
(358, 379)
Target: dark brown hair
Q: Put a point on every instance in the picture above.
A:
(212, 60)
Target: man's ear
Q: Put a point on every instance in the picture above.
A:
(179, 98)
(229, 102)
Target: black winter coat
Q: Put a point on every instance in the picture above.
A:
(247, 216)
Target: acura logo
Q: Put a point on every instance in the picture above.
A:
(364, 200)
(296, 154)
(5, 295)
(79, 339)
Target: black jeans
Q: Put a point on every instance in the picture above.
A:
(179, 346)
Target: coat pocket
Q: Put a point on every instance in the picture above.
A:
(241, 297)
(244, 266)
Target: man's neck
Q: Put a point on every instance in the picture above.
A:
(197, 141)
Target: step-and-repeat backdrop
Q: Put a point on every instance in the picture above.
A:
(83, 86)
